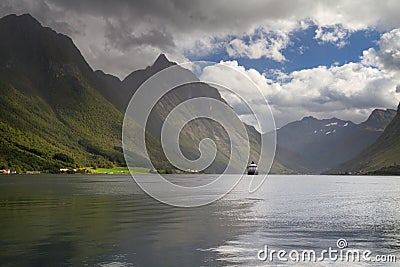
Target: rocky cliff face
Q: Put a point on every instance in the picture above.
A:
(379, 119)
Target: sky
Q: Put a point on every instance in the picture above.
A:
(309, 58)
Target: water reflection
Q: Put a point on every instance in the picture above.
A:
(107, 220)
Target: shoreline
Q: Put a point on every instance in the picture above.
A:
(178, 174)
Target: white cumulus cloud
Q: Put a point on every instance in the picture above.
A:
(350, 91)
(336, 34)
(388, 56)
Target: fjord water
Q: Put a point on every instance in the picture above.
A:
(53, 220)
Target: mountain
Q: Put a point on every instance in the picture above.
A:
(57, 112)
(382, 156)
(52, 115)
(120, 92)
(202, 127)
(379, 119)
(324, 144)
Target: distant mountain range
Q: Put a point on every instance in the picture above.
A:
(56, 111)
(324, 144)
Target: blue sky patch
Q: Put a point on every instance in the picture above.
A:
(305, 52)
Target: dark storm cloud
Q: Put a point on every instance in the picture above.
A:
(187, 15)
(122, 36)
(42, 11)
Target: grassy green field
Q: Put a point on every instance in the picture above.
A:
(118, 170)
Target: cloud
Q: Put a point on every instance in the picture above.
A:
(336, 34)
(388, 55)
(258, 48)
(350, 91)
(122, 36)
(143, 28)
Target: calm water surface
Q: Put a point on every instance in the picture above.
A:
(107, 221)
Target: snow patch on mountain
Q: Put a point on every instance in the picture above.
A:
(331, 124)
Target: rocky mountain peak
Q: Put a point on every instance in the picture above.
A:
(379, 119)
(26, 19)
(308, 118)
(162, 62)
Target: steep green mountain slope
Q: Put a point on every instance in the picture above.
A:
(51, 114)
(383, 155)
